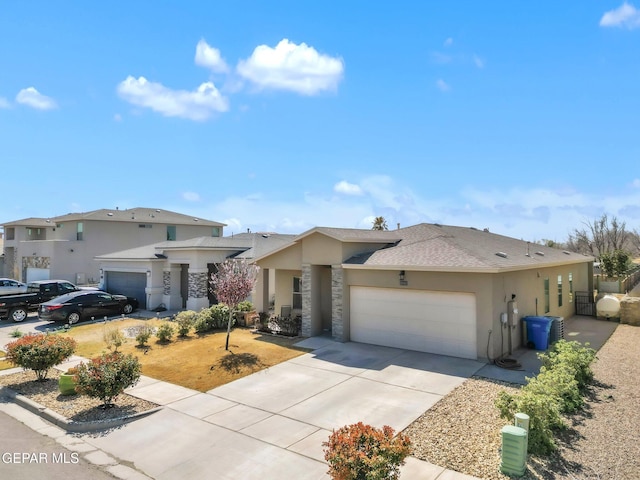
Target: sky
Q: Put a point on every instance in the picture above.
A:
(280, 116)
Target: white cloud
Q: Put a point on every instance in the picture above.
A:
(479, 62)
(347, 188)
(4, 103)
(33, 98)
(448, 42)
(636, 183)
(625, 15)
(442, 85)
(191, 196)
(209, 57)
(199, 104)
(297, 68)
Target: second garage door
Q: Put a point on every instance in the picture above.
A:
(132, 284)
(427, 321)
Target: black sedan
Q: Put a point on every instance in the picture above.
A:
(75, 306)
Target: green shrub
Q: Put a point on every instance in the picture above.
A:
(557, 389)
(40, 352)
(16, 333)
(544, 416)
(113, 337)
(245, 306)
(143, 335)
(164, 332)
(212, 318)
(107, 376)
(574, 355)
(364, 452)
(185, 321)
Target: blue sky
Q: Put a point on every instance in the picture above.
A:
(520, 117)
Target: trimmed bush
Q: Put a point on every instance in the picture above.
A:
(557, 389)
(165, 333)
(185, 321)
(40, 352)
(107, 376)
(212, 318)
(574, 356)
(245, 306)
(113, 337)
(143, 335)
(364, 452)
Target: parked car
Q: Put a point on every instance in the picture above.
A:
(8, 286)
(17, 307)
(75, 306)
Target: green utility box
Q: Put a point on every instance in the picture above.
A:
(514, 450)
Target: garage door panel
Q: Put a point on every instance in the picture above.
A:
(132, 284)
(435, 322)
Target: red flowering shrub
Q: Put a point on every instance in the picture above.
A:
(363, 452)
(40, 352)
(107, 376)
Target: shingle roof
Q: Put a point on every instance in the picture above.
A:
(443, 247)
(246, 245)
(131, 215)
(31, 222)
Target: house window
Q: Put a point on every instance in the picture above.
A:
(10, 233)
(145, 225)
(79, 231)
(559, 290)
(546, 295)
(215, 232)
(571, 287)
(297, 293)
(171, 233)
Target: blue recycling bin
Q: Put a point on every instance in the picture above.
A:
(538, 330)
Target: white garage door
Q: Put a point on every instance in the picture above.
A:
(34, 274)
(427, 321)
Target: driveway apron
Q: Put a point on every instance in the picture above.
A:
(271, 424)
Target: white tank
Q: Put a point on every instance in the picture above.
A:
(608, 306)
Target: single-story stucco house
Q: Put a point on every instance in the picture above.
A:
(432, 288)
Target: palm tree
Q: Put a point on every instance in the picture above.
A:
(379, 223)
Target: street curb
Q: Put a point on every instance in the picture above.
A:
(68, 425)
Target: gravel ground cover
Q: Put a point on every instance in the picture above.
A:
(79, 408)
(462, 431)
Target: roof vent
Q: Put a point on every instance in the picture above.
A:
(486, 230)
(110, 214)
(501, 254)
(540, 253)
(566, 253)
(158, 210)
(196, 219)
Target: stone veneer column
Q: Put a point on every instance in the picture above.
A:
(337, 295)
(166, 282)
(198, 289)
(306, 300)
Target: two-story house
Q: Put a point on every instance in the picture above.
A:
(65, 247)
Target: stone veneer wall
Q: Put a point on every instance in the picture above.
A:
(166, 283)
(306, 300)
(198, 285)
(337, 297)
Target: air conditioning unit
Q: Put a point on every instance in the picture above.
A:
(557, 329)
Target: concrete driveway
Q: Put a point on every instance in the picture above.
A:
(272, 424)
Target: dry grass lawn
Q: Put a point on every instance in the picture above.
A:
(199, 362)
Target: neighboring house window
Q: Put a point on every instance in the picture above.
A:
(145, 225)
(10, 233)
(559, 290)
(215, 232)
(36, 234)
(171, 232)
(297, 293)
(80, 231)
(571, 287)
(546, 295)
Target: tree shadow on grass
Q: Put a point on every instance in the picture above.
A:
(235, 362)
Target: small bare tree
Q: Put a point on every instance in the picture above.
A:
(232, 284)
(601, 236)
